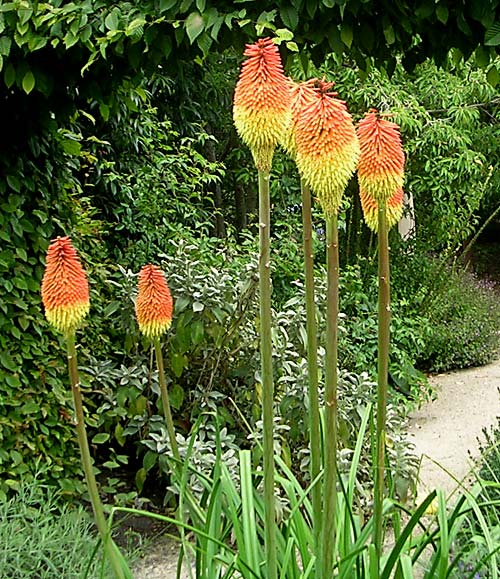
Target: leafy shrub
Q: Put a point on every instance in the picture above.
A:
(44, 538)
(212, 363)
(465, 323)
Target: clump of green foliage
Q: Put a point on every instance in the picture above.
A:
(471, 548)
(464, 319)
(45, 538)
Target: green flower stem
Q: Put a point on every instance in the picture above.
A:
(312, 364)
(330, 440)
(166, 403)
(266, 352)
(117, 562)
(384, 320)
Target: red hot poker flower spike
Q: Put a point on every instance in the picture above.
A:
(327, 147)
(65, 289)
(153, 307)
(394, 209)
(302, 93)
(381, 163)
(261, 109)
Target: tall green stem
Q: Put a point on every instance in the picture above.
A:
(117, 562)
(266, 353)
(330, 483)
(166, 403)
(384, 320)
(312, 365)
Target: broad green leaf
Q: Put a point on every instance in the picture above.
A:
(390, 37)
(176, 396)
(493, 77)
(135, 27)
(442, 13)
(36, 43)
(14, 183)
(111, 21)
(70, 40)
(71, 147)
(110, 464)
(205, 42)
(201, 5)
(100, 438)
(284, 35)
(86, 33)
(149, 460)
(9, 75)
(492, 35)
(13, 381)
(24, 14)
(346, 35)
(104, 110)
(28, 82)
(167, 4)
(178, 363)
(425, 9)
(140, 478)
(289, 17)
(197, 332)
(119, 434)
(5, 43)
(194, 26)
(482, 57)
(185, 6)
(7, 361)
(292, 46)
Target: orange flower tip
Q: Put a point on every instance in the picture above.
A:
(154, 304)
(65, 289)
(262, 100)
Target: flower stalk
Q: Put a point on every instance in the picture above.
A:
(331, 406)
(312, 363)
(267, 372)
(165, 402)
(117, 562)
(384, 320)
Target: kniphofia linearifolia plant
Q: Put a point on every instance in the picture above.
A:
(65, 297)
(380, 177)
(327, 152)
(153, 310)
(261, 114)
(303, 93)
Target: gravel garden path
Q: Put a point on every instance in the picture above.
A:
(443, 431)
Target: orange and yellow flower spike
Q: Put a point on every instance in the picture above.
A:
(153, 307)
(65, 289)
(327, 147)
(394, 209)
(261, 109)
(381, 163)
(302, 93)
